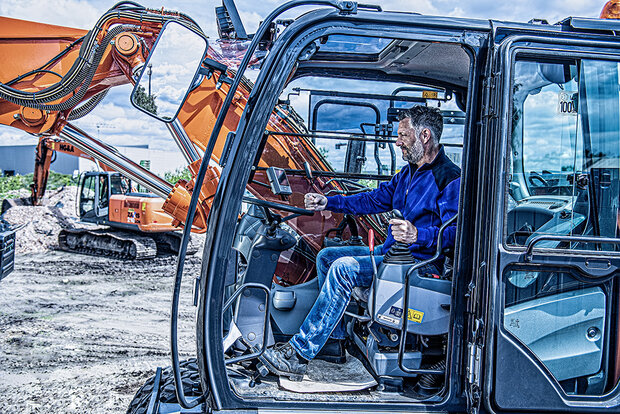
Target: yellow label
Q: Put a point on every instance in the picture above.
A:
(143, 205)
(429, 94)
(415, 315)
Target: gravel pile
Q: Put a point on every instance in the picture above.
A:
(38, 226)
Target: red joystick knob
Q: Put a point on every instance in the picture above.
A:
(371, 240)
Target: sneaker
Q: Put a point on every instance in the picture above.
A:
(333, 351)
(283, 360)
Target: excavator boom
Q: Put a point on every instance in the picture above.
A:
(57, 75)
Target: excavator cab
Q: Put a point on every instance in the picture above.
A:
(89, 191)
(94, 191)
(525, 316)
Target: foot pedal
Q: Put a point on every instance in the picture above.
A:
(262, 369)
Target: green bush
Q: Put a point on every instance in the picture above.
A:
(56, 180)
(178, 174)
(17, 182)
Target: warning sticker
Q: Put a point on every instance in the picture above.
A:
(415, 315)
(429, 94)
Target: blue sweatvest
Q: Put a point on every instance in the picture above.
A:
(427, 196)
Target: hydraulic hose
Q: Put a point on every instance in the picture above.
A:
(81, 72)
(343, 6)
(91, 52)
(87, 107)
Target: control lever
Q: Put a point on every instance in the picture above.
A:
(371, 247)
(399, 251)
(308, 171)
(398, 215)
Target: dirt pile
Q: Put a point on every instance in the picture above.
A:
(38, 226)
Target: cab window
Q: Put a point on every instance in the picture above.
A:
(103, 191)
(87, 195)
(565, 152)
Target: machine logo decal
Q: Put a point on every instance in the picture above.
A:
(66, 147)
(415, 315)
(398, 312)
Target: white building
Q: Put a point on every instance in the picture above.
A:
(19, 159)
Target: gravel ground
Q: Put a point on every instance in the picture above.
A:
(80, 334)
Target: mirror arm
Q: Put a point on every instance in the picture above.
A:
(213, 66)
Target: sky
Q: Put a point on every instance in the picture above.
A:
(116, 122)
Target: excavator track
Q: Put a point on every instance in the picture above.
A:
(170, 242)
(120, 245)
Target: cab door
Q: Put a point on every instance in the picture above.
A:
(103, 196)
(551, 256)
(87, 196)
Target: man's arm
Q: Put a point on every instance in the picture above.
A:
(371, 202)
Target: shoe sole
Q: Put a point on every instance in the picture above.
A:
(292, 376)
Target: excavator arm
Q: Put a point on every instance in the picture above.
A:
(45, 154)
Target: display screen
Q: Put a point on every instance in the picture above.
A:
(278, 181)
(282, 178)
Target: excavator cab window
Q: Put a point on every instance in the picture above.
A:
(119, 185)
(86, 201)
(565, 188)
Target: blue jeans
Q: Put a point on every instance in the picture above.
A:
(339, 270)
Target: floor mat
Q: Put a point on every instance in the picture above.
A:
(324, 376)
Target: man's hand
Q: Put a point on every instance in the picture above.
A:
(404, 231)
(315, 202)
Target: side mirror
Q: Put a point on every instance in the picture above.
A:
(169, 71)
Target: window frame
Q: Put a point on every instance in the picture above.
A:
(537, 53)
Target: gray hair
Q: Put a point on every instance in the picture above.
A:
(424, 117)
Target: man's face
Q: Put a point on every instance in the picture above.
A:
(409, 142)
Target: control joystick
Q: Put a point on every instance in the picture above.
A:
(399, 252)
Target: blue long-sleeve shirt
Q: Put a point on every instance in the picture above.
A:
(427, 196)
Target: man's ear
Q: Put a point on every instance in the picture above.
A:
(426, 135)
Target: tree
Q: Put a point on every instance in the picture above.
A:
(144, 101)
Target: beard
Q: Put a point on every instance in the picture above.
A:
(414, 153)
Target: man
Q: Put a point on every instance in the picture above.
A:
(425, 191)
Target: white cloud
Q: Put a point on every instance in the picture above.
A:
(72, 13)
(12, 136)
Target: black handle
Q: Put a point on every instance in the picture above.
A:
(397, 214)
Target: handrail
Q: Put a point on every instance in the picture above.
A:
(230, 301)
(403, 336)
(561, 238)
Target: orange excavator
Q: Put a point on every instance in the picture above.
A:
(53, 75)
(136, 225)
